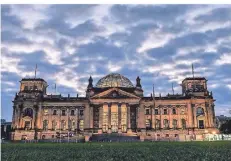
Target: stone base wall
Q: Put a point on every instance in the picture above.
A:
(22, 135)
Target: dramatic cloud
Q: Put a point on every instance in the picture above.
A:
(156, 42)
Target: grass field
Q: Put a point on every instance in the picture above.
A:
(176, 151)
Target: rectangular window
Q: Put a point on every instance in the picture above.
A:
(81, 112)
(147, 112)
(81, 125)
(156, 112)
(26, 88)
(201, 124)
(165, 112)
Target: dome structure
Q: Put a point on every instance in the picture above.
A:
(114, 80)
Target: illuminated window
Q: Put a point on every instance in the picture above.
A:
(182, 111)
(27, 125)
(63, 125)
(45, 125)
(157, 124)
(81, 125)
(54, 124)
(183, 122)
(45, 111)
(166, 124)
(174, 123)
(73, 125)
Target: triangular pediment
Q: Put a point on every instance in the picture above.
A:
(115, 93)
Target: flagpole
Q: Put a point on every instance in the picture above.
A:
(35, 71)
(193, 76)
(172, 89)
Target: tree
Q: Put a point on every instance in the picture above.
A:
(226, 127)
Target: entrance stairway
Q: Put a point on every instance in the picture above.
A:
(114, 137)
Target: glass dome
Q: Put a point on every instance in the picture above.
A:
(114, 80)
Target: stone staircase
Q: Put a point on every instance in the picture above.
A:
(115, 137)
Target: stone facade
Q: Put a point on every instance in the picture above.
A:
(114, 105)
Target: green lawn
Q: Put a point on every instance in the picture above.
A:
(176, 151)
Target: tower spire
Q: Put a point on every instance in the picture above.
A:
(192, 70)
(35, 72)
(172, 89)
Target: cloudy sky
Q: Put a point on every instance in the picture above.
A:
(156, 42)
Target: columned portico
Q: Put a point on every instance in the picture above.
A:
(113, 118)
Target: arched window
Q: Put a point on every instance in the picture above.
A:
(72, 112)
(166, 124)
(28, 112)
(45, 125)
(54, 112)
(174, 123)
(63, 112)
(157, 124)
(54, 124)
(200, 111)
(63, 125)
(174, 111)
(183, 123)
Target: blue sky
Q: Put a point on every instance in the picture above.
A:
(156, 42)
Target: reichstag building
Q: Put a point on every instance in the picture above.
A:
(113, 105)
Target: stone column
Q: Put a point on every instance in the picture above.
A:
(119, 118)
(170, 116)
(109, 118)
(20, 116)
(195, 117)
(190, 116)
(100, 119)
(77, 118)
(141, 120)
(49, 118)
(153, 117)
(38, 121)
(129, 119)
(86, 118)
(161, 118)
(91, 117)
